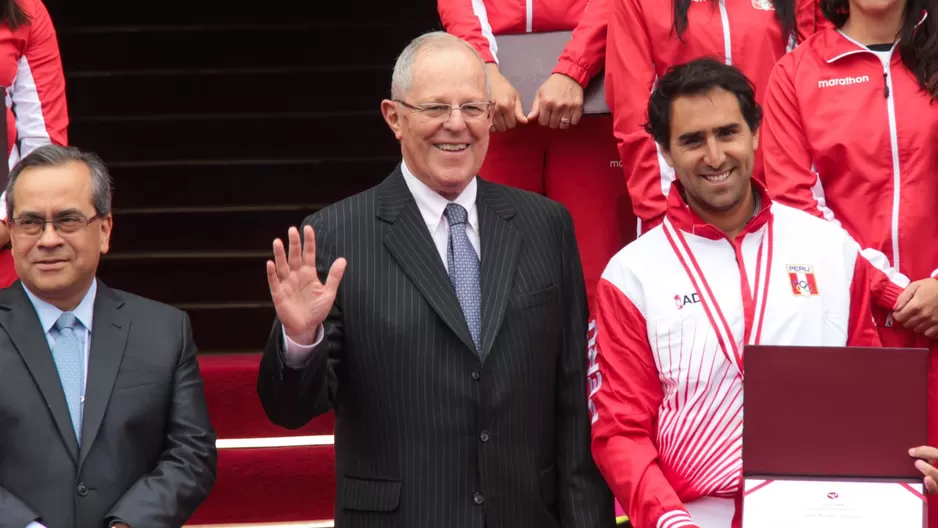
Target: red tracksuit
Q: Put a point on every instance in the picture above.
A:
(577, 166)
(642, 46)
(31, 70)
(849, 136)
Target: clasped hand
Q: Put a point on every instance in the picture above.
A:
(301, 300)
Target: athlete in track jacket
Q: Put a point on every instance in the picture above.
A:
(560, 154)
(851, 137)
(31, 70)
(642, 45)
(727, 267)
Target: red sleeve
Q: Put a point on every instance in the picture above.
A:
(582, 58)
(787, 155)
(38, 94)
(861, 329)
(809, 19)
(624, 402)
(630, 75)
(468, 20)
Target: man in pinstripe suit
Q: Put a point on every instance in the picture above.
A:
(443, 318)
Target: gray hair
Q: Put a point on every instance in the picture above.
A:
(403, 76)
(56, 156)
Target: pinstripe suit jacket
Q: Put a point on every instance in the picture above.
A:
(428, 435)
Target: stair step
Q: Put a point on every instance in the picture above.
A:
(230, 329)
(190, 280)
(176, 12)
(114, 50)
(245, 182)
(268, 485)
(275, 90)
(233, 403)
(173, 231)
(245, 136)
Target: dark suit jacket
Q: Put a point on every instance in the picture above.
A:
(427, 434)
(147, 454)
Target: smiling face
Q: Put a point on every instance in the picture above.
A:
(444, 152)
(58, 267)
(712, 151)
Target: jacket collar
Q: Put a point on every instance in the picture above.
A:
(683, 218)
(834, 45)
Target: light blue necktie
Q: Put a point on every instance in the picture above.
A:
(67, 353)
(463, 264)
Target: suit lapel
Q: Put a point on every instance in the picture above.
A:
(501, 244)
(108, 341)
(18, 317)
(409, 242)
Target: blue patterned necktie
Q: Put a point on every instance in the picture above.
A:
(67, 353)
(463, 264)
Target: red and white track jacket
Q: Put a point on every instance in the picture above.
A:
(478, 21)
(855, 141)
(31, 69)
(642, 46)
(666, 398)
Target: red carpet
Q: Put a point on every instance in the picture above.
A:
(261, 484)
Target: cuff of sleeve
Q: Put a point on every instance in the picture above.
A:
(35, 524)
(934, 274)
(296, 355)
(676, 519)
(890, 295)
(114, 521)
(573, 70)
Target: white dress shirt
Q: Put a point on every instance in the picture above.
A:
(49, 314)
(431, 205)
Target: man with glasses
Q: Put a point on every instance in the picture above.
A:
(443, 319)
(103, 420)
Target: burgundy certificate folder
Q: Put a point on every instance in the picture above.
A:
(834, 413)
(826, 437)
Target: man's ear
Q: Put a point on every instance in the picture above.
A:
(392, 116)
(755, 140)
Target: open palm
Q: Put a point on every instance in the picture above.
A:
(301, 300)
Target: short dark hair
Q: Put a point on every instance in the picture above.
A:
(695, 78)
(56, 156)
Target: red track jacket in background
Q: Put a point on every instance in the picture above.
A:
(478, 21)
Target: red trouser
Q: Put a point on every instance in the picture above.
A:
(578, 167)
(898, 337)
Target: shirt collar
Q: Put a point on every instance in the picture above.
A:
(684, 218)
(431, 204)
(49, 314)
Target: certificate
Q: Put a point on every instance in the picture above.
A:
(832, 504)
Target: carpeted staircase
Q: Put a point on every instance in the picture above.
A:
(224, 123)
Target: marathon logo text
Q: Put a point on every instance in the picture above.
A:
(843, 81)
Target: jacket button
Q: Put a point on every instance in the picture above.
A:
(477, 498)
(82, 489)
(476, 375)
(484, 436)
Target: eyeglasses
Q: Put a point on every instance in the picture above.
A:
(474, 111)
(30, 226)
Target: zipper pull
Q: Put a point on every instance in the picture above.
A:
(885, 86)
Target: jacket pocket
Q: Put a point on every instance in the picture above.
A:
(547, 481)
(369, 494)
(532, 299)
